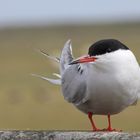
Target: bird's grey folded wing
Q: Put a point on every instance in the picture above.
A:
(66, 56)
(74, 86)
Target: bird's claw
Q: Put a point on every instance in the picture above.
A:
(111, 130)
(95, 130)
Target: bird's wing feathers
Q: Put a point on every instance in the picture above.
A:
(66, 56)
(74, 86)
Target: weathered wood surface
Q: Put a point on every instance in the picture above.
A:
(67, 135)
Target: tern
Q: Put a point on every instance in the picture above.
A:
(103, 82)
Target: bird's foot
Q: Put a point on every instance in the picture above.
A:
(96, 129)
(109, 129)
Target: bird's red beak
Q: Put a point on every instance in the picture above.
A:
(85, 59)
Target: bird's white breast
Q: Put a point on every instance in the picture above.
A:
(112, 83)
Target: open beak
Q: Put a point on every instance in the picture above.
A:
(84, 60)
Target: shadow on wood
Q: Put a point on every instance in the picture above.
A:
(66, 135)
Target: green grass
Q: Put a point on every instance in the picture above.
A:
(27, 102)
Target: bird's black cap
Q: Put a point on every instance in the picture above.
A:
(106, 46)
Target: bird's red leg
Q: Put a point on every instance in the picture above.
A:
(92, 122)
(109, 124)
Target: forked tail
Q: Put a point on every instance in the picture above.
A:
(64, 60)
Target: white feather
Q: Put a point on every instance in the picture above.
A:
(48, 56)
(53, 81)
(57, 75)
(66, 58)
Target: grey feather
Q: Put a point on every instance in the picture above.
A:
(74, 86)
(66, 56)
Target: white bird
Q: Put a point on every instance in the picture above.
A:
(104, 82)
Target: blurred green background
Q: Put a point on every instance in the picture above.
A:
(27, 102)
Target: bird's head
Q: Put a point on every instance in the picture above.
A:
(100, 49)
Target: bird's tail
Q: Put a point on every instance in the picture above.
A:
(48, 56)
(53, 81)
(64, 60)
